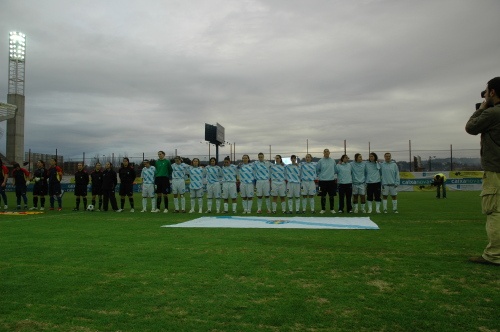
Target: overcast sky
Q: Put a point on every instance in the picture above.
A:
(134, 77)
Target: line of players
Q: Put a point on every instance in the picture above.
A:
(260, 178)
(296, 181)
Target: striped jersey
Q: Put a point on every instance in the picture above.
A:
(195, 177)
(262, 170)
(148, 175)
(229, 173)
(308, 171)
(277, 173)
(292, 173)
(213, 174)
(179, 171)
(246, 172)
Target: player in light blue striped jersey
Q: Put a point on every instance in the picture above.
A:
(278, 187)
(247, 178)
(148, 186)
(229, 176)
(196, 185)
(262, 176)
(308, 176)
(292, 175)
(213, 174)
(179, 183)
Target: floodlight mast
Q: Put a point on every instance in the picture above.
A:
(17, 56)
(15, 96)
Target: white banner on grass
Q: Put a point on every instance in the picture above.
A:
(279, 222)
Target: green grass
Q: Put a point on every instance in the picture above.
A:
(70, 271)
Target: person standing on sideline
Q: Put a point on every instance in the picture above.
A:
(262, 171)
(247, 178)
(162, 180)
(20, 177)
(307, 177)
(127, 177)
(440, 182)
(327, 184)
(196, 185)
(373, 182)
(486, 121)
(390, 182)
(229, 176)
(278, 185)
(359, 182)
(109, 182)
(148, 186)
(213, 174)
(4, 175)
(81, 183)
(55, 192)
(96, 179)
(40, 188)
(292, 175)
(344, 172)
(178, 184)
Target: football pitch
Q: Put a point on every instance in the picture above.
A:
(107, 271)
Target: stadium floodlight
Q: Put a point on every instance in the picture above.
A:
(17, 46)
(7, 111)
(17, 58)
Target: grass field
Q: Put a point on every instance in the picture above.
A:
(82, 271)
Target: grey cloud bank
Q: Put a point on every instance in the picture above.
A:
(104, 77)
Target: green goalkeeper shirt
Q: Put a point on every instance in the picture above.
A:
(163, 167)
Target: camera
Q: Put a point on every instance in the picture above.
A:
(483, 93)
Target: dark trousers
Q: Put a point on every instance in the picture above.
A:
(109, 196)
(345, 193)
(438, 190)
(373, 190)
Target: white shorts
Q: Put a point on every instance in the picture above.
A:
(308, 188)
(213, 190)
(148, 190)
(196, 193)
(359, 189)
(229, 190)
(247, 189)
(293, 189)
(278, 189)
(389, 190)
(262, 187)
(178, 186)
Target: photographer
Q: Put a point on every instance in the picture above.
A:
(486, 121)
(439, 181)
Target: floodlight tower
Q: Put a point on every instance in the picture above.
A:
(15, 96)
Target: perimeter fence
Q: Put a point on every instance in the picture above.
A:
(416, 160)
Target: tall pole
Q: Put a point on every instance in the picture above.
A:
(345, 146)
(409, 149)
(15, 96)
(307, 145)
(451, 157)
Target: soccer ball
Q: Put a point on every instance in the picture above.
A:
(90, 208)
